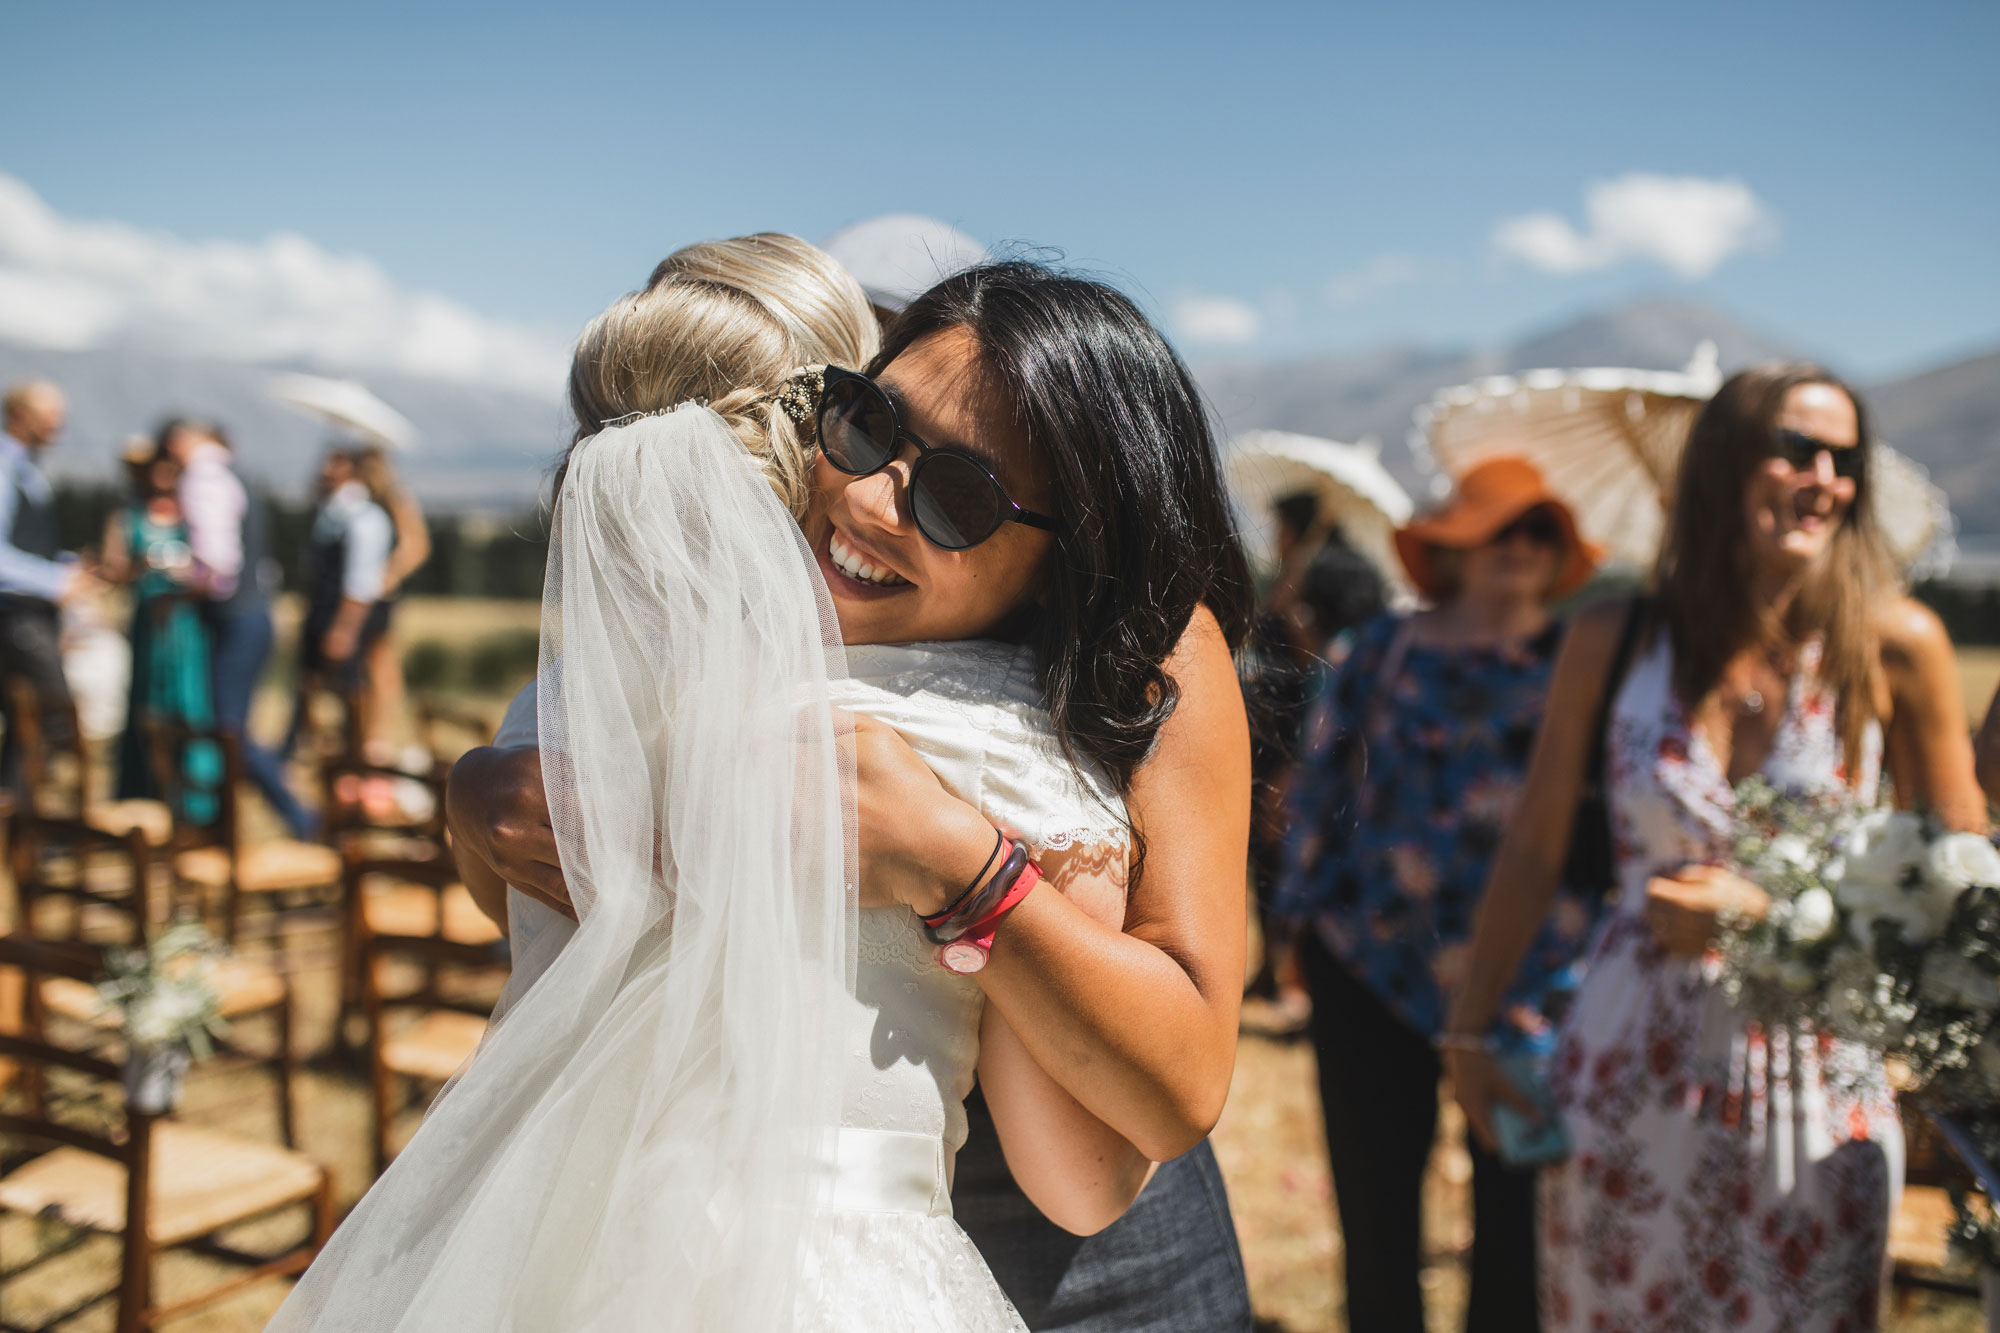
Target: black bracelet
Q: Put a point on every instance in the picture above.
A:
(944, 932)
(999, 839)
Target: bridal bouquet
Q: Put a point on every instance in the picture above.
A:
(1883, 930)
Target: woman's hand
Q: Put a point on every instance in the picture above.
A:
(920, 845)
(1479, 1084)
(499, 814)
(1686, 909)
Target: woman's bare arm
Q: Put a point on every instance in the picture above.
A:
(1140, 1024)
(1527, 869)
(1079, 1171)
(1929, 751)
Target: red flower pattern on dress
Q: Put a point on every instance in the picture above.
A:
(1669, 1215)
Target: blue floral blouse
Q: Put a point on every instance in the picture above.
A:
(1393, 882)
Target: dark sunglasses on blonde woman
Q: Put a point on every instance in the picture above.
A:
(957, 501)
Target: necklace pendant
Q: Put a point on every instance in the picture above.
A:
(1753, 701)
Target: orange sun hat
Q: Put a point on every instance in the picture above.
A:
(1488, 497)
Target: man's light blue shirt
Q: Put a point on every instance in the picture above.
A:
(21, 573)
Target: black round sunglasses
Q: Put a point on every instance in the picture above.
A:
(957, 501)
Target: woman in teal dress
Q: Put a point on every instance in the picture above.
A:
(146, 546)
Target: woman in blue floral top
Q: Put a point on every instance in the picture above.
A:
(1411, 764)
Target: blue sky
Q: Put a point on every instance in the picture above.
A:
(1271, 179)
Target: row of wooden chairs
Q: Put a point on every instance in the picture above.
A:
(91, 874)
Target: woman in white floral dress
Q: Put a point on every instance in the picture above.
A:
(1721, 1175)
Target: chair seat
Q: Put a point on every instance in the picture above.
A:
(244, 985)
(1920, 1232)
(202, 1181)
(151, 819)
(277, 866)
(434, 1046)
(411, 911)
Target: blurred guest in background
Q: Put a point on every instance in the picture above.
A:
(146, 546)
(1410, 768)
(1722, 1173)
(229, 540)
(1324, 590)
(346, 567)
(384, 666)
(34, 578)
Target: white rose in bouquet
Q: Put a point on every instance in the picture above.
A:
(1792, 850)
(1881, 849)
(1813, 916)
(1960, 861)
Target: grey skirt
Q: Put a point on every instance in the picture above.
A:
(1170, 1265)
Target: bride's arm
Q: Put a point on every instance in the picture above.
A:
(1079, 1171)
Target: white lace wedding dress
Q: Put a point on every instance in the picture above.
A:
(889, 1255)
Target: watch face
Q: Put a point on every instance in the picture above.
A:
(962, 958)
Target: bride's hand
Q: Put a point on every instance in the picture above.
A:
(1685, 909)
(498, 812)
(920, 845)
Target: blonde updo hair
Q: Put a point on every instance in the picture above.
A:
(729, 322)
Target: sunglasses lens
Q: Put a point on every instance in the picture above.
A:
(857, 427)
(957, 504)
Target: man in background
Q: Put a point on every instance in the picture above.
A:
(229, 536)
(35, 578)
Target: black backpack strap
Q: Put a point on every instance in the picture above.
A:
(1590, 867)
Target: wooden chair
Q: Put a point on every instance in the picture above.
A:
(282, 874)
(417, 912)
(56, 782)
(184, 1186)
(66, 862)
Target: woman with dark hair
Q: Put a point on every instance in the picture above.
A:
(1105, 554)
(1721, 1175)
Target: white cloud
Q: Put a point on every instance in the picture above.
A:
(1689, 224)
(1376, 276)
(76, 283)
(1214, 320)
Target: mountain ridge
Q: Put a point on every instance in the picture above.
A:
(490, 449)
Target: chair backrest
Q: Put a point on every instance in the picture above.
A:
(199, 771)
(35, 1121)
(63, 858)
(347, 783)
(36, 1052)
(40, 769)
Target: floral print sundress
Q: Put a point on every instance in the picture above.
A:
(1721, 1176)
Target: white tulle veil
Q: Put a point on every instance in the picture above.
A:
(645, 1135)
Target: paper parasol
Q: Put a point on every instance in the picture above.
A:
(1355, 491)
(347, 406)
(1609, 442)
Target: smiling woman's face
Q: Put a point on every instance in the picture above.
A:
(1792, 513)
(889, 584)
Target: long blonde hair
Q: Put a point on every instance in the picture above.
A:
(727, 322)
(1704, 574)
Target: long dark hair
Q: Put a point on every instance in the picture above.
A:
(1704, 572)
(1145, 534)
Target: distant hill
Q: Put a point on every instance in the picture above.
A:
(1948, 419)
(490, 449)
(481, 447)
(1377, 392)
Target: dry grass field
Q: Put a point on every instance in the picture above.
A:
(1269, 1141)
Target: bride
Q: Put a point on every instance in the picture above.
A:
(728, 1095)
